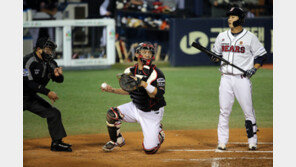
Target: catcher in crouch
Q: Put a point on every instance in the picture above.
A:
(145, 84)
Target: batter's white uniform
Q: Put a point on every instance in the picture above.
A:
(241, 50)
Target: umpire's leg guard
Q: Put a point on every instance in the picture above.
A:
(114, 118)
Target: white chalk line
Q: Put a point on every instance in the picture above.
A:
(216, 150)
(267, 143)
(217, 159)
(241, 151)
(208, 150)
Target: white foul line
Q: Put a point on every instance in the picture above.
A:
(247, 143)
(216, 150)
(217, 159)
(209, 150)
(238, 151)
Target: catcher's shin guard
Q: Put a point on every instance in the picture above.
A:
(114, 118)
(161, 135)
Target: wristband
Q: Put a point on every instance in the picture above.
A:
(150, 88)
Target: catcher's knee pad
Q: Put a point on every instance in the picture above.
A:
(152, 150)
(113, 116)
(251, 128)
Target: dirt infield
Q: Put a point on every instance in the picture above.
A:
(180, 148)
(268, 66)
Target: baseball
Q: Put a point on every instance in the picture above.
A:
(104, 85)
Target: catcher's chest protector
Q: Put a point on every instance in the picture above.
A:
(143, 74)
(140, 96)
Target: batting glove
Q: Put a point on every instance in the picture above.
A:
(214, 59)
(251, 72)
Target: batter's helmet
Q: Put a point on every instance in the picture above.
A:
(237, 12)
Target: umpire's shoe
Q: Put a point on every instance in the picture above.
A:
(59, 145)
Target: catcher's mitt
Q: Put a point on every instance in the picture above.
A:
(128, 83)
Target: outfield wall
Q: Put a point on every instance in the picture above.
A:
(205, 30)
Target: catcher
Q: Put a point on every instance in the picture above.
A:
(145, 84)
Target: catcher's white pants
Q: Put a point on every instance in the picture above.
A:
(240, 87)
(149, 121)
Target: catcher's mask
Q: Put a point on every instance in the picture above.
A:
(145, 46)
(48, 48)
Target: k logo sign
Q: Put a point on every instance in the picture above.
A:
(195, 36)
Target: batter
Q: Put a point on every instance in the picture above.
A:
(242, 48)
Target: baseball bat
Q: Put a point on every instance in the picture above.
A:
(210, 53)
(124, 51)
(158, 53)
(117, 44)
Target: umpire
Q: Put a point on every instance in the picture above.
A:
(38, 68)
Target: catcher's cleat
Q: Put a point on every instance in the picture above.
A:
(109, 146)
(252, 147)
(221, 147)
(60, 146)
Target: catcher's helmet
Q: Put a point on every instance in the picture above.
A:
(145, 46)
(46, 43)
(236, 11)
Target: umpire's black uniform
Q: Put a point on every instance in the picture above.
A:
(36, 75)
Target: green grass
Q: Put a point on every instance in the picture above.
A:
(191, 95)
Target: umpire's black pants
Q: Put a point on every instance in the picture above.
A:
(41, 107)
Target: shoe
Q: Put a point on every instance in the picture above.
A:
(252, 147)
(109, 146)
(67, 144)
(221, 147)
(60, 146)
